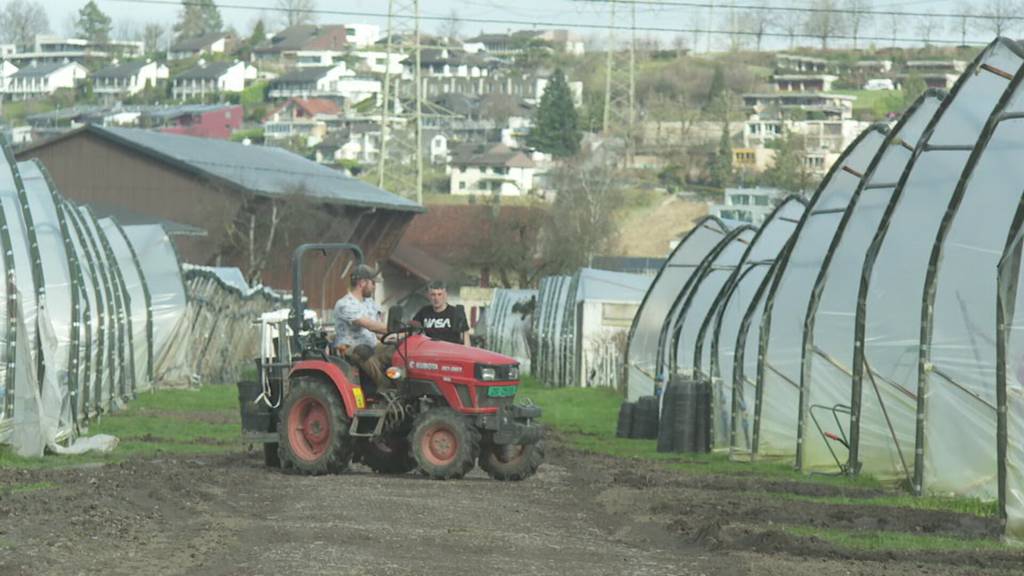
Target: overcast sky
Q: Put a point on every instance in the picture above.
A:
(671, 21)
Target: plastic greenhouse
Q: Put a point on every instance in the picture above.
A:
(876, 331)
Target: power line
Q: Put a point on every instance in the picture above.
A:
(802, 9)
(570, 25)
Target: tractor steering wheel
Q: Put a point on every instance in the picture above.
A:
(402, 331)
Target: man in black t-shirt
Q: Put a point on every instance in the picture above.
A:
(441, 321)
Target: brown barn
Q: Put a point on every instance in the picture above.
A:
(245, 197)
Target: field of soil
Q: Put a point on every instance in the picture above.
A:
(583, 514)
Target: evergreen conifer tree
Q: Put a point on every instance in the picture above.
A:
(93, 24)
(555, 128)
(198, 18)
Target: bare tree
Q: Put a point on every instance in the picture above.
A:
(451, 26)
(756, 22)
(791, 23)
(21, 20)
(858, 17)
(926, 27)
(582, 223)
(262, 225)
(297, 12)
(153, 37)
(825, 22)
(960, 24)
(696, 24)
(680, 44)
(127, 29)
(998, 17)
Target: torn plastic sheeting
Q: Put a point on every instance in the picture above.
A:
(508, 324)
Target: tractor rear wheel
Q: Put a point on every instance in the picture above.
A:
(313, 429)
(512, 461)
(443, 443)
(388, 455)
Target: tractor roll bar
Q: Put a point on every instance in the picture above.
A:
(297, 316)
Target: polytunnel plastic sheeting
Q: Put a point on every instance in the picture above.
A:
(736, 296)
(111, 374)
(508, 324)
(959, 353)
(1010, 385)
(745, 364)
(551, 353)
(57, 293)
(646, 337)
(698, 303)
(168, 302)
(889, 335)
(135, 285)
(781, 337)
(92, 334)
(828, 353)
(122, 301)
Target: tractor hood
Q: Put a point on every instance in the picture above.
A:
(421, 348)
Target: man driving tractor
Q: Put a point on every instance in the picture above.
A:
(358, 320)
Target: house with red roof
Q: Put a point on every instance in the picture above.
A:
(308, 118)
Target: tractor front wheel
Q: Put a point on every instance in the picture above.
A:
(512, 461)
(388, 455)
(443, 443)
(313, 429)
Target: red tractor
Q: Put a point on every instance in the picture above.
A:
(452, 407)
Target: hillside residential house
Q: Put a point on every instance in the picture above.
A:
(44, 80)
(49, 49)
(284, 45)
(479, 169)
(528, 87)
(212, 78)
(801, 64)
(330, 81)
(515, 43)
(307, 118)
(128, 78)
(827, 105)
(213, 43)
(751, 205)
(804, 82)
(6, 71)
(217, 121)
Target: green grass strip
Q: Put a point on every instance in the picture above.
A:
(874, 541)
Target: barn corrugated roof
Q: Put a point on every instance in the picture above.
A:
(261, 170)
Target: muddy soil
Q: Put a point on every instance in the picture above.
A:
(583, 514)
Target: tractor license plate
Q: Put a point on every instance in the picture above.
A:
(501, 391)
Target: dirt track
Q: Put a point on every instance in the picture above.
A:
(582, 515)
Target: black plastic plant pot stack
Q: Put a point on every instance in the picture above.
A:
(686, 417)
(638, 419)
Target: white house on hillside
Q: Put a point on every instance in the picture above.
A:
(34, 81)
(324, 81)
(494, 170)
(128, 78)
(6, 71)
(213, 43)
(212, 78)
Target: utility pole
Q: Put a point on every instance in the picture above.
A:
(619, 118)
(400, 165)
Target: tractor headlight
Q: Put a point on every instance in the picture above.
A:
(487, 373)
(513, 372)
(394, 373)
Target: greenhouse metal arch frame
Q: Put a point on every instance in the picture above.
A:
(873, 274)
